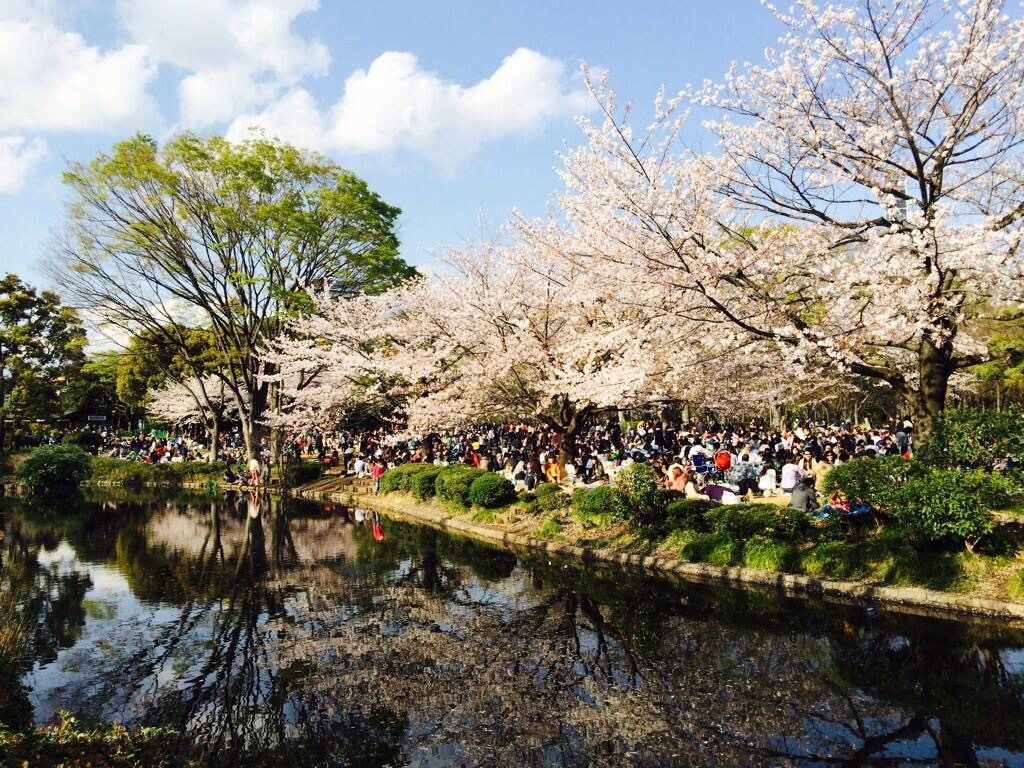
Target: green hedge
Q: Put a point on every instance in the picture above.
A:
(422, 483)
(974, 439)
(600, 506)
(399, 478)
(490, 490)
(296, 473)
(54, 468)
(868, 481)
(137, 473)
(553, 502)
(949, 505)
(688, 513)
(452, 483)
(744, 521)
(458, 484)
(932, 504)
(546, 489)
(638, 484)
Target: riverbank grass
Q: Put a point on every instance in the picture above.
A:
(639, 519)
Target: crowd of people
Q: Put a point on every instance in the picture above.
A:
(722, 462)
(154, 446)
(707, 460)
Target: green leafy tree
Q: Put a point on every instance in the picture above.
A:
(41, 349)
(147, 364)
(227, 237)
(94, 389)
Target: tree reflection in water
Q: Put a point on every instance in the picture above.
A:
(278, 633)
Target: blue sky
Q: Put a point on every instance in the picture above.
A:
(454, 111)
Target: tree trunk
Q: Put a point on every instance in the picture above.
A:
(930, 398)
(252, 426)
(567, 453)
(274, 399)
(214, 432)
(567, 421)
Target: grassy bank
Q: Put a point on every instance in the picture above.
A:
(108, 471)
(645, 521)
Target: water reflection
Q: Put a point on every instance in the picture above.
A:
(275, 632)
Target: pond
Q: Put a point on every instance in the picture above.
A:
(281, 632)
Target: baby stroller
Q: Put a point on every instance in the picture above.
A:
(705, 469)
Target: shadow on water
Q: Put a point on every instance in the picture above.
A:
(276, 632)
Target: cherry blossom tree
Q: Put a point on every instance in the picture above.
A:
(504, 333)
(195, 400)
(863, 213)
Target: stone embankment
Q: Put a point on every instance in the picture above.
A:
(358, 493)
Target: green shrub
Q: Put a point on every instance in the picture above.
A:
(87, 441)
(123, 471)
(949, 505)
(974, 439)
(552, 502)
(296, 473)
(452, 483)
(744, 521)
(638, 484)
(422, 484)
(546, 489)
(713, 548)
(668, 496)
(138, 473)
(770, 555)
(835, 528)
(400, 478)
(688, 514)
(868, 481)
(73, 744)
(490, 490)
(54, 468)
(599, 506)
(196, 469)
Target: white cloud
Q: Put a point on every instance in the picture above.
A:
(395, 105)
(239, 53)
(17, 157)
(54, 81)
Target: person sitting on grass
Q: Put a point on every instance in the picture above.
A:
(837, 504)
(791, 475)
(721, 493)
(677, 478)
(766, 483)
(744, 476)
(803, 496)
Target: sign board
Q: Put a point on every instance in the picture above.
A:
(101, 417)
